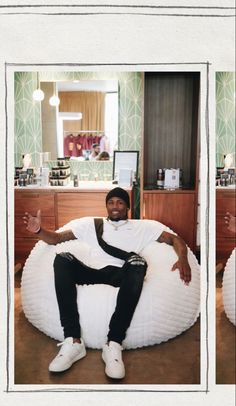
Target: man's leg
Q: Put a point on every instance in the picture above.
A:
(68, 272)
(127, 299)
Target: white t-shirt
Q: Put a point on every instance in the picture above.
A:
(133, 235)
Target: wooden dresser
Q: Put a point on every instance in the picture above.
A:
(225, 240)
(58, 206)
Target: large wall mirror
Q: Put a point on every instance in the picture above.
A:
(87, 115)
(39, 128)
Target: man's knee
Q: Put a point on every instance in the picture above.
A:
(62, 259)
(138, 267)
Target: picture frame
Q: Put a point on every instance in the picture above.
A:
(125, 160)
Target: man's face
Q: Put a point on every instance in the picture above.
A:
(97, 150)
(117, 209)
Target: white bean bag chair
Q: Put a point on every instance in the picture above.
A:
(166, 308)
(228, 288)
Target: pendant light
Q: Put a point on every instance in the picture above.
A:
(38, 94)
(54, 100)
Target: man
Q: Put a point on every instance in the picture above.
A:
(95, 152)
(110, 240)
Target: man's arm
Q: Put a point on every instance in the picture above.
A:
(33, 224)
(181, 250)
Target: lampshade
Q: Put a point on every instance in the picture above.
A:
(38, 94)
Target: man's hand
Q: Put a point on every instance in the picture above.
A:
(181, 250)
(184, 270)
(230, 221)
(33, 224)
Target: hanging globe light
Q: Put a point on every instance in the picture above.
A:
(38, 94)
(54, 100)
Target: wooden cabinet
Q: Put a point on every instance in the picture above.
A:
(58, 207)
(75, 205)
(225, 240)
(175, 210)
(171, 140)
(31, 201)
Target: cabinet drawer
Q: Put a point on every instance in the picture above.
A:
(31, 202)
(23, 247)
(225, 201)
(20, 229)
(221, 228)
(75, 205)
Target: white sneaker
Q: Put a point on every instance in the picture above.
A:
(69, 353)
(112, 357)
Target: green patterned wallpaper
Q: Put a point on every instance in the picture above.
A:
(225, 116)
(28, 130)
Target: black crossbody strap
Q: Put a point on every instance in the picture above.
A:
(109, 249)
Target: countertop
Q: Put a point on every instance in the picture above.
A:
(83, 186)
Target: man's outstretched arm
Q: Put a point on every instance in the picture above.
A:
(181, 250)
(33, 224)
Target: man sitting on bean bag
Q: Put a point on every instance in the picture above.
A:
(122, 240)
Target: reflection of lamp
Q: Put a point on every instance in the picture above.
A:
(54, 100)
(38, 94)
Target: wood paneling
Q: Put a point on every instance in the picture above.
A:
(71, 206)
(75, 205)
(20, 230)
(57, 209)
(31, 202)
(23, 246)
(171, 124)
(225, 201)
(225, 239)
(27, 201)
(175, 210)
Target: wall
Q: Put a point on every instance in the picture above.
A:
(49, 124)
(225, 116)
(28, 127)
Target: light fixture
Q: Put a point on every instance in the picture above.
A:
(54, 100)
(38, 94)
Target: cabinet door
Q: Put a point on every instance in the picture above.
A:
(23, 247)
(75, 205)
(31, 202)
(22, 232)
(176, 211)
(225, 240)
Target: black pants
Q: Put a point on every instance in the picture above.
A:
(69, 272)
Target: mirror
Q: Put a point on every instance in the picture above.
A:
(87, 115)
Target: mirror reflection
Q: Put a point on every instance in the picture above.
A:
(84, 126)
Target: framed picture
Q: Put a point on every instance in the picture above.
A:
(125, 160)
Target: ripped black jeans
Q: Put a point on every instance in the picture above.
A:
(69, 272)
